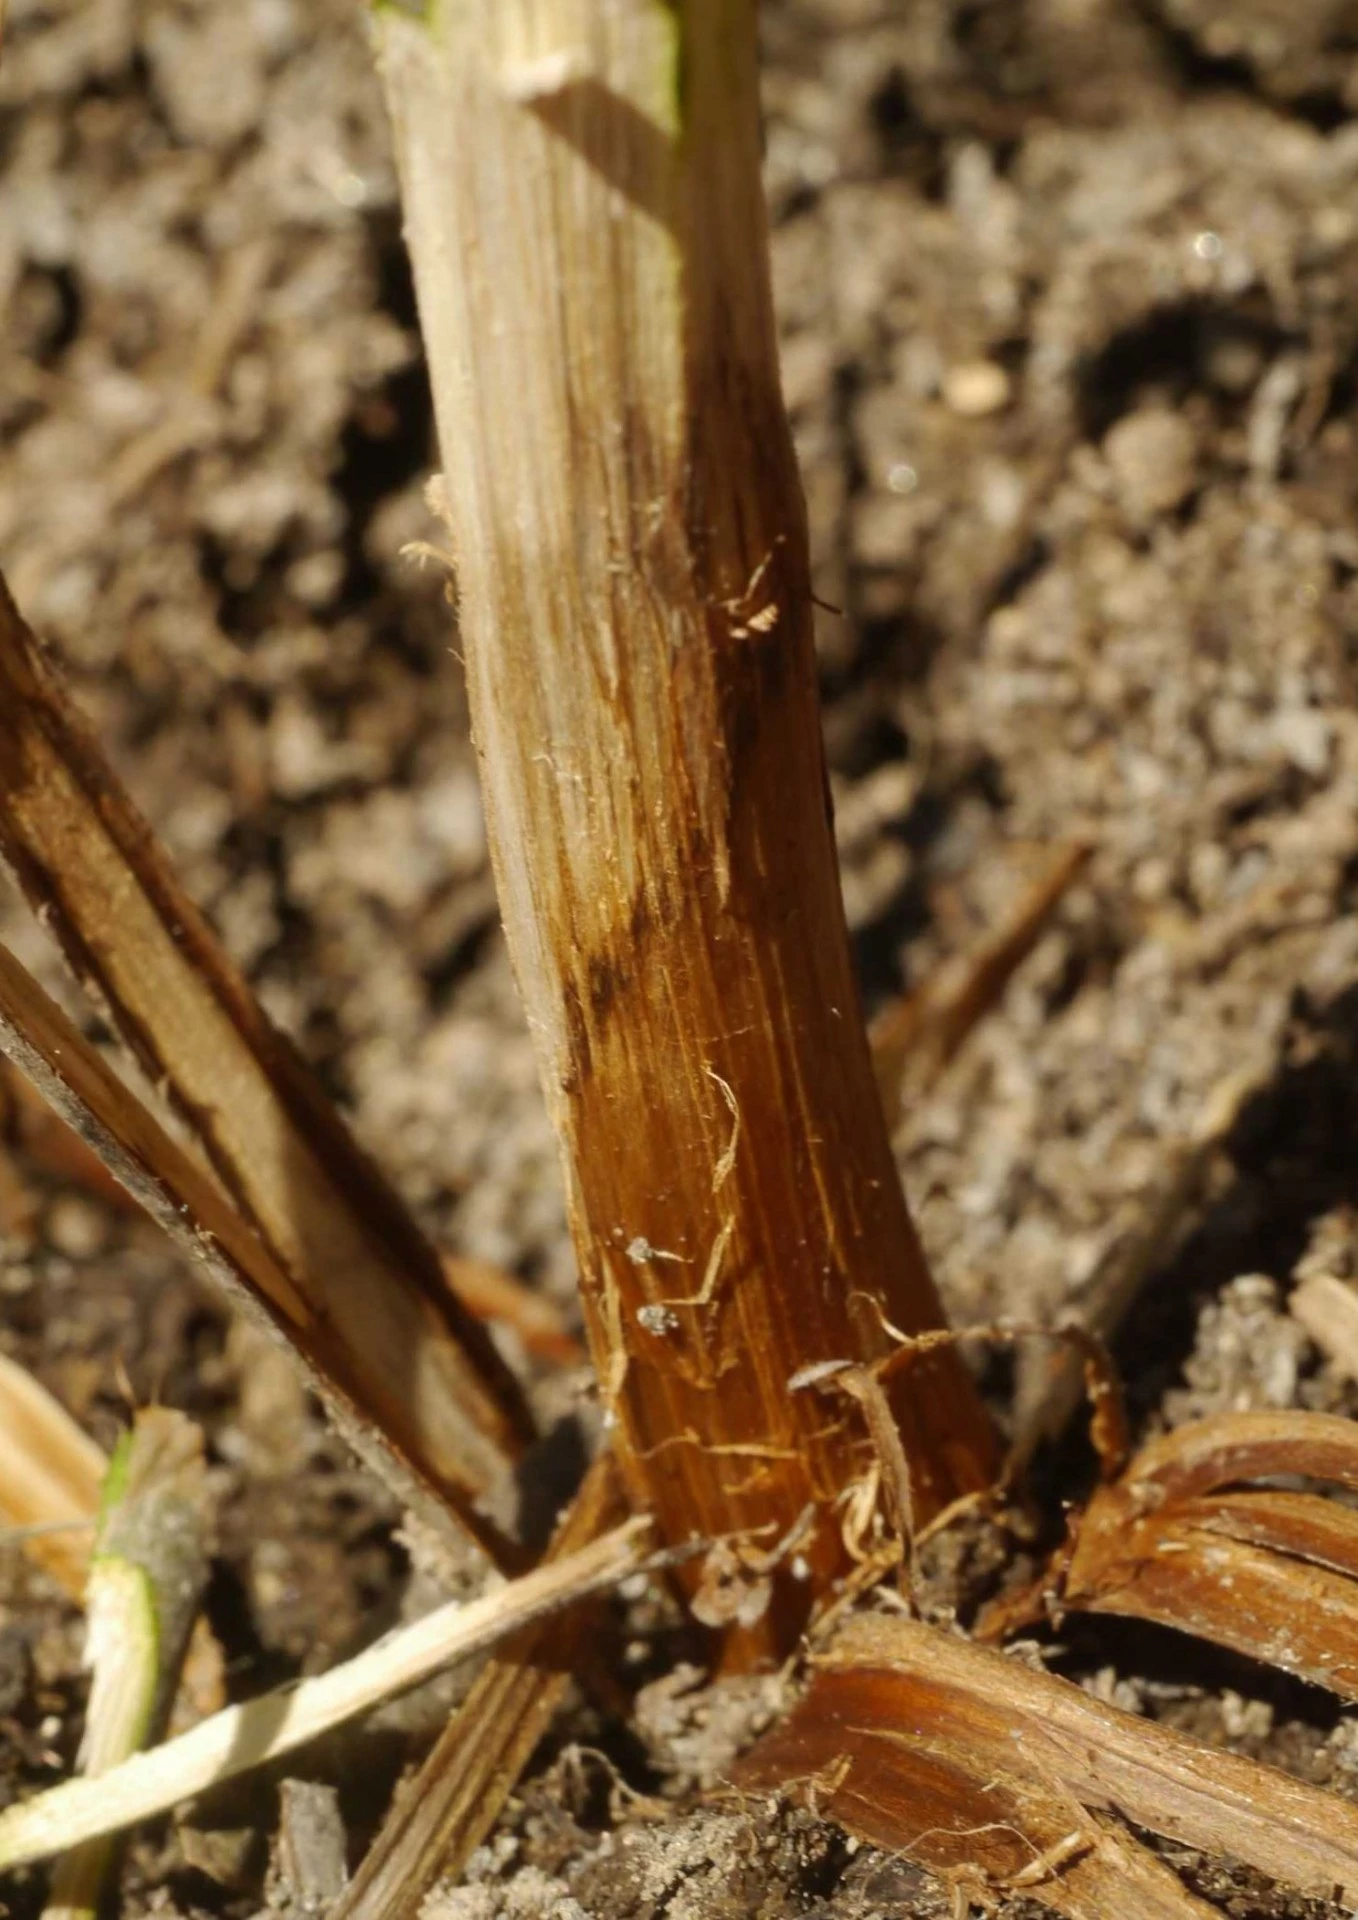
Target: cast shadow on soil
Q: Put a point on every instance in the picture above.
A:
(1185, 1678)
(1291, 1159)
(881, 943)
(1188, 346)
(1294, 1158)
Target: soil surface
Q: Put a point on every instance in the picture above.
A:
(1069, 298)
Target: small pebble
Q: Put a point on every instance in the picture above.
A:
(76, 1227)
(976, 388)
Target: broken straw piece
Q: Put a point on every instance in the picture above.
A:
(245, 1736)
(50, 1472)
(448, 1809)
(415, 1381)
(1184, 1540)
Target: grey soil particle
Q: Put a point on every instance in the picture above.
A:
(1248, 1355)
(1153, 458)
(694, 1733)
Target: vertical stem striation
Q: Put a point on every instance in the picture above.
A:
(584, 210)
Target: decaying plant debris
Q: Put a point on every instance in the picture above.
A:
(319, 1209)
(243, 1737)
(1294, 924)
(997, 1777)
(1186, 1537)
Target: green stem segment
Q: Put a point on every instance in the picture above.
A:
(146, 1579)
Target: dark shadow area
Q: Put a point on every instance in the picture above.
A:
(1196, 70)
(388, 439)
(46, 308)
(880, 944)
(1174, 351)
(1294, 1156)
(1167, 1661)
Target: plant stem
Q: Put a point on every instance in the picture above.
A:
(583, 205)
(146, 1579)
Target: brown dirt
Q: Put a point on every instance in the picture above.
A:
(1069, 291)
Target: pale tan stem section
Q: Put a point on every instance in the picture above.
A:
(583, 204)
(150, 1567)
(50, 1476)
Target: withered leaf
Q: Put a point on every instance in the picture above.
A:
(1000, 1776)
(426, 1373)
(1184, 1540)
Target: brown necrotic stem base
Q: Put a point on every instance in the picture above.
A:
(583, 203)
